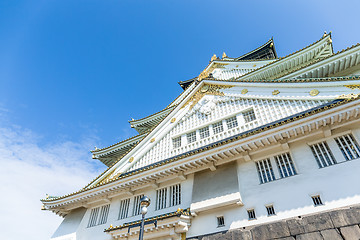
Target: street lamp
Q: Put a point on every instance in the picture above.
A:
(144, 203)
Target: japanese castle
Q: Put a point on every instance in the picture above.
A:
(255, 147)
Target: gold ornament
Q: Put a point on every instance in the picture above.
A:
(244, 91)
(152, 140)
(314, 92)
(131, 159)
(224, 55)
(213, 58)
(205, 88)
(353, 86)
(211, 90)
(275, 92)
(173, 120)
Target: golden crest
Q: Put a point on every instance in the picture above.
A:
(205, 88)
(152, 140)
(254, 65)
(244, 91)
(275, 92)
(131, 159)
(213, 58)
(314, 92)
(173, 120)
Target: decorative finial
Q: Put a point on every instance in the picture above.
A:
(213, 58)
(46, 196)
(132, 119)
(224, 55)
(324, 34)
(96, 148)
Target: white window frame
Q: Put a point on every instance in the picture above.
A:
(191, 137)
(230, 123)
(176, 142)
(216, 128)
(249, 117)
(204, 132)
(323, 154)
(136, 205)
(124, 208)
(161, 198)
(175, 195)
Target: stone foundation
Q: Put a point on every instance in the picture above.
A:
(336, 224)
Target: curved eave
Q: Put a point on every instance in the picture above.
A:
(250, 133)
(107, 150)
(146, 123)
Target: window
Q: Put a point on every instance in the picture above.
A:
(191, 137)
(285, 165)
(104, 214)
(161, 195)
(249, 116)
(270, 210)
(220, 221)
(231, 122)
(124, 208)
(265, 171)
(251, 214)
(317, 200)
(322, 154)
(204, 132)
(93, 217)
(96, 218)
(136, 207)
(177, 142)
(218, 127)
(348, 146)
(175, 195)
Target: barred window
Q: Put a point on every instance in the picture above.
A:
(265, 171)
(220, 221)
(322, 154)
(218, 127)
(124, 208)
(251, 214)
(175, 195)
(191, 137)
(285, 165)
(104, 212)
(249, 116)
(348, 146)
(93, 217)
(270, 210)
(204, 132)
(96, 218)
(177, 142)
(136, 206)
(317, 200)
(231, 122)
(161, 195)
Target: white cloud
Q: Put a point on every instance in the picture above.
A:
(28, 171)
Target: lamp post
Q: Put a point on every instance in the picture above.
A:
(144, 203)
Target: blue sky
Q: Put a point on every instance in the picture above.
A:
(73, 73)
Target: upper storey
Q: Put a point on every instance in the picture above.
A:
(230, 68)
(273, 80)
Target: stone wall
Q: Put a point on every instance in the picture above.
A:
(335, 225)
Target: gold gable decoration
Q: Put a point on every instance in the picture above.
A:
(205, 73)
(207, 89)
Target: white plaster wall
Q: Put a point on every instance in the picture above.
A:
(336, 184)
